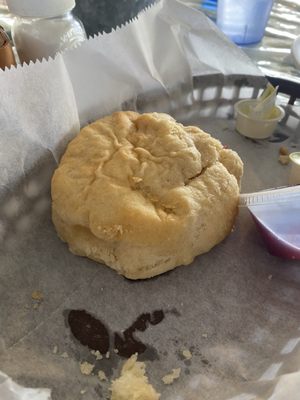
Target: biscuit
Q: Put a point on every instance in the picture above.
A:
(143, 194)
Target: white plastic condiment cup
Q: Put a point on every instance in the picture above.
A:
(294, 178)
(255, 128)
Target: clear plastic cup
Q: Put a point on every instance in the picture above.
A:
(243, 21)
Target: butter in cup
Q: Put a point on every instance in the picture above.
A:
(252, 127)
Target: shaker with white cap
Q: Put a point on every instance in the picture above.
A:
(43, 28)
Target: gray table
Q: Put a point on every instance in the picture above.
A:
(273, 55)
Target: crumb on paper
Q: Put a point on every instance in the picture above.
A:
(270, 277)
(55, 350)
(133, 382)
(97, 354)
(187, 354)
(284, 160)
(116, 351)
(86, 368)
(204, 335)
(284, 151)
(37, 295)
(107, 354)
(102, 376)
(64, 355)
(172, 376)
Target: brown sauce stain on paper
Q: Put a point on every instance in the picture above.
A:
(91, 332)
(88, 330)
(127, 344)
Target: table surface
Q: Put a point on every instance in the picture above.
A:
(273, 53)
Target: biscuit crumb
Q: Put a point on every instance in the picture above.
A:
(204, 335)
(97, 354)
(270, 277)
(35, 306)
(64, 355)
(133, 382)
(55, 349)
(107, 355)
(284, 151)
(187, 354)
(172, 376)
(37, 295)
(116, 351)
(284, 160)
(102, 376)
(82, 391)
(86, 368)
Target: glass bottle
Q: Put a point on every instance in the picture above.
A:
(44, 28)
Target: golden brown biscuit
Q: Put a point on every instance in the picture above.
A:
(144, 194)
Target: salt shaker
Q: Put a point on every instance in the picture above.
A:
(43, 28)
